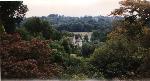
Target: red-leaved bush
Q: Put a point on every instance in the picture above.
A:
(26, 59)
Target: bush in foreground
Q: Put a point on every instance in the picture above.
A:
(26, 59)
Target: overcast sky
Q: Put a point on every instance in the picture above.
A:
(70, 7)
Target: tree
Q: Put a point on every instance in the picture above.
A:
(136, 19)
(99, 36)
(87, 49)
(133, 10)
(12, 13)
(25, 35)
(37, 26)
(79, 24)
(67, 45)
(118, 58)
(135, 30)
(86, 38)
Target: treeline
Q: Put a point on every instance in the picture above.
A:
(80, 24)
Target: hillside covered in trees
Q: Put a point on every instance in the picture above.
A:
(80, 24)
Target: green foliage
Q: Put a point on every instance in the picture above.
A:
(55, 35)
(86, 38)
(2, 30)
(132, 31)
(41, 28)
(79, 24)
(67, 34)
(15, 13)
(57, 45)
(99, 36)
(58, 51)
(24, 33)
(67, 45)
(128, 43)
(35, 25)
(145, 41)
(79, 77)
(78, 68)
(143, 70)
(118, 58)
(87, 49)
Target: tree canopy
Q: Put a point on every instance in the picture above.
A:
(79, 24)
(134, 9)
(11, 14)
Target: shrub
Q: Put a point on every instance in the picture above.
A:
(87, 49)
(26, 59)
(118, 58)
(144, 71)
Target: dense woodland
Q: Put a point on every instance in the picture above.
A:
(40, 47)
(80, 24)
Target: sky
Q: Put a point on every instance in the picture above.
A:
(70, 7)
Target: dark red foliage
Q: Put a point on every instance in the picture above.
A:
(26, 59)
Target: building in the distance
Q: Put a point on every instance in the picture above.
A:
(78, 37)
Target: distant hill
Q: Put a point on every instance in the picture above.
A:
(80, 24)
